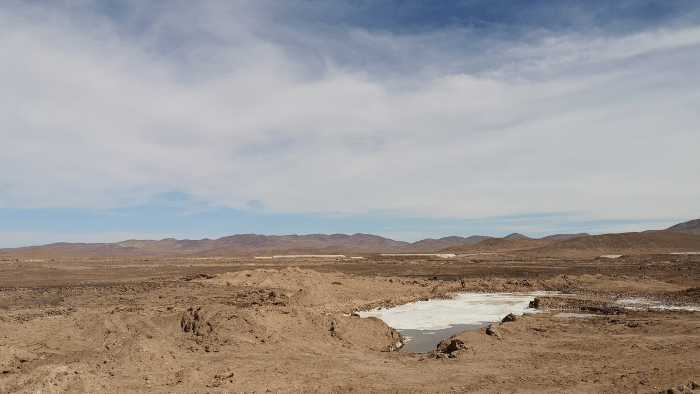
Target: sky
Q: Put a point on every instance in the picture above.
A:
(147, 119)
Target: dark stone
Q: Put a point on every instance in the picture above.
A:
(491, 330)
(451, 345)
(509, 318)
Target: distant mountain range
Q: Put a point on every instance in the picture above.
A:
(253, 244)
(268, 245)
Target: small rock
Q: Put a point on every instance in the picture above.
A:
(491, 330)
(695, 385)
(509, 318)
(673, 391)
(451, 345)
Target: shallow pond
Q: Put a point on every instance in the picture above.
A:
(426, 323)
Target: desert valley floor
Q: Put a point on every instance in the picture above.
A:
(286, 325)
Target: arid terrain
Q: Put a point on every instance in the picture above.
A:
(203, 323)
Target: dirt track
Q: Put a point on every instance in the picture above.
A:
(246, 325)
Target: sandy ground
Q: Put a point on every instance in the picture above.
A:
(246, 325)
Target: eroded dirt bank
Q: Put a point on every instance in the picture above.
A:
(232, 326)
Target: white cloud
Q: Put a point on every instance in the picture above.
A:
(569, 123)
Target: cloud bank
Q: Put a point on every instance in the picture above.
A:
(319, 108)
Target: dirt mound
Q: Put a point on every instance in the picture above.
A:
(610, 244)
(367, 333)
(292, 279)
(328, 293)
(221, 325)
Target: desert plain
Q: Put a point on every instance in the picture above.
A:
(202, 323)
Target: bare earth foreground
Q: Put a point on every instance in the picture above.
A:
(126, 325)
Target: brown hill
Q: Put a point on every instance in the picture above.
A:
(560, 237)
(314, 243)
(433, 245)
(689, 227)
(625, 243)
(495, 245)
(516, 236)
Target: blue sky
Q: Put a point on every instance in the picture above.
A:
(407, 119)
